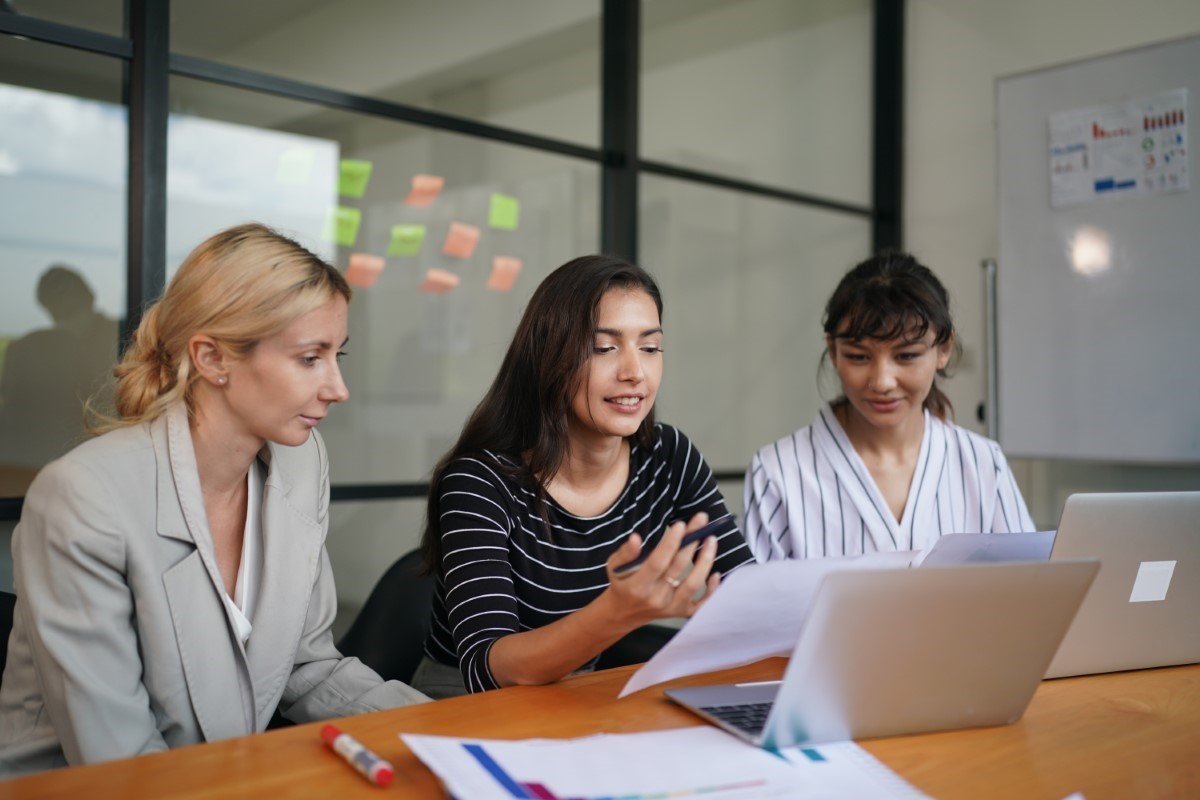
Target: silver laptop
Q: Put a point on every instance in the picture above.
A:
(888, 652)
(1144, 608)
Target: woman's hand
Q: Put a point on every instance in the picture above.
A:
(663, 586)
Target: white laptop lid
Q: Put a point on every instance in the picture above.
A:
(889, 652)
(1144, 608)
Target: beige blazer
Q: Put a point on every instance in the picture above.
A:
(121, 643)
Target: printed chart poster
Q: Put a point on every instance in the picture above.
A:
(1134, 148)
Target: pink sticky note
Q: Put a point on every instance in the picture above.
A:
(438, 281)
(504, 273)
(461, 240)
(364, 269)
(425, 189)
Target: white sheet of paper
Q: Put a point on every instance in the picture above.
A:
(963, 548)
(756, 612)
(1152, 581)
(859, 774)
(701, 761)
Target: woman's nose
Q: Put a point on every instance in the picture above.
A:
(631, 366)
(335, 390)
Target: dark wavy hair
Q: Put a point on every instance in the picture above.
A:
(523, 416)
(893, 296)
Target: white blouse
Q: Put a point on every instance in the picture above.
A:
(809, 495)
(245, 590)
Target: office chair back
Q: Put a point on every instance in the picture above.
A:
(636, 646)
(8, 602)
(388, 635)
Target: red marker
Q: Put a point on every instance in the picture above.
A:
(373, 768)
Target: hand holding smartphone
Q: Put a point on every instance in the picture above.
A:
(714, 528)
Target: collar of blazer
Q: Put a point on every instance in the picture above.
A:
(292, 540)
(180, 508)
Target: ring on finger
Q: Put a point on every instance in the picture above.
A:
(673, 581)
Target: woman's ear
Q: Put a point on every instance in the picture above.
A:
(208, 359)
(945, 349)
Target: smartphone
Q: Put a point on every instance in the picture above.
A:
(713, 528)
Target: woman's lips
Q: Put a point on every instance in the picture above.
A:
(625, 405)
(884, 405)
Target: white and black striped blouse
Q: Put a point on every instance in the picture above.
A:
(502, 573)
(809, 495)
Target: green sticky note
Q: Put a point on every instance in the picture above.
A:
(343, 226)
(406, 240)
(295, 166)
(504, 212)
(353, 176)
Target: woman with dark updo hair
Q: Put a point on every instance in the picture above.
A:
(882, 467)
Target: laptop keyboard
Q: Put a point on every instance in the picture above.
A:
(748, 717)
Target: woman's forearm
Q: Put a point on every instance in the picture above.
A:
(546, 654)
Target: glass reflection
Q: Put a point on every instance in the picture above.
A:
(443, 236)
(62, 251)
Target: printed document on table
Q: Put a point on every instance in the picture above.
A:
(756, 612)
(701, 761)
(970, 548)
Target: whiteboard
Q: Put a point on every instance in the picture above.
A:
(1101, 364)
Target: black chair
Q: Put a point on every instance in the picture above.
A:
(8, 602)
(636, 646)
(388, 635)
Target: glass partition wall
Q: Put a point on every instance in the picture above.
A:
(733, 147)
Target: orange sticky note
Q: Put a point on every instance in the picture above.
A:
(364, 269)
(461, 240)
(425, 189)
(504, 273)
(438, 281)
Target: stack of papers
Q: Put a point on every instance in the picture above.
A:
(737, 626)
(702, 762)
(739, 623)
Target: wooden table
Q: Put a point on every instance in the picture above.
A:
(1125, 735)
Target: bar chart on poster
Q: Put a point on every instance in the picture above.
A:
(1098, 279)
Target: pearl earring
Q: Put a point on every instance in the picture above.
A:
(221, 380)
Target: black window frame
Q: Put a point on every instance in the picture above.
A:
(149, 64)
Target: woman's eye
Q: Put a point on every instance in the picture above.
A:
(603, 348)
(310, 360)
(652, 348)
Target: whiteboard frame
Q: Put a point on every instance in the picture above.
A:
(1101, 367)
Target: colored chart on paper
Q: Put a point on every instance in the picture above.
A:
(699, 762)
(538, 791)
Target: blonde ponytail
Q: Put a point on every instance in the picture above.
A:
(238, 286)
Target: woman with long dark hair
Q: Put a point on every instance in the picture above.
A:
(560, 476)
(883, 467)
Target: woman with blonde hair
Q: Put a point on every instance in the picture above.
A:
(171, 575)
